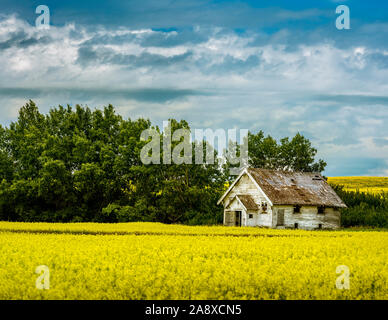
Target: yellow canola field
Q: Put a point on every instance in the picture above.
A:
(145, 228)
(363, 184)
(195, 263)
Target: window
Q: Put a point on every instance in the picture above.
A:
(264, 206)
(321, 209)
(250, 216)
(296, 225)
(297, 209)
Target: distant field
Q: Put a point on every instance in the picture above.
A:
(362, 184)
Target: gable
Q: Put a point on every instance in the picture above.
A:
(234, 204)
(245, 185)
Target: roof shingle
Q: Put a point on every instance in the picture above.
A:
(296, 188)
(248, 202)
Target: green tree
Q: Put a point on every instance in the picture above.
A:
(78, 164)
(185, 193)
(296, 154)
(6, 161)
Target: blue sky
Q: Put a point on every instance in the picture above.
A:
(278, 66)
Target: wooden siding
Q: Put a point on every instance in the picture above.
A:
(308, 218)
(230, 213)
(247, 187)
(229, 218)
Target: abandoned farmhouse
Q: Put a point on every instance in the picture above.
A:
(281, 199)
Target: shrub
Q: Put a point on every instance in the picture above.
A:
(364, 209)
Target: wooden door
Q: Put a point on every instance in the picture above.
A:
(238, 219)
(280, 219)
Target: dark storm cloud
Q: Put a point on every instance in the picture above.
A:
(280, 66)
(174, 38)
(159, 95)
(22, 40)
(87, 55)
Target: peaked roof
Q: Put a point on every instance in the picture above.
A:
(242, 173)
(296, 188)
(247, 202)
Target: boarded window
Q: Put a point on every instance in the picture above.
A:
(229, 218)
(280, 217)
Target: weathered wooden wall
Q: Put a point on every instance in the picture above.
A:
(246, 186)
(229, 218)
(229, 213)
(308, 218)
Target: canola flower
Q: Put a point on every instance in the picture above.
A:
(156, 261)
(372, 185)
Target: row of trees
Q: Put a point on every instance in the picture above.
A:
(83, 165)
(364, 209)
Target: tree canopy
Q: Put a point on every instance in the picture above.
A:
(296, 154)
(77, 164)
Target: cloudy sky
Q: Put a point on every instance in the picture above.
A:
(279, 66)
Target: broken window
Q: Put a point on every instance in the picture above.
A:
(297, 209)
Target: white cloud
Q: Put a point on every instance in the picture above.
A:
(234, 82)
